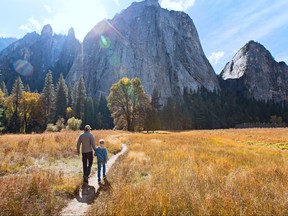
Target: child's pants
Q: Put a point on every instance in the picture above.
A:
(99, 170)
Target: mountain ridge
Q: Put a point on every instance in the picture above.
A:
(254, 72)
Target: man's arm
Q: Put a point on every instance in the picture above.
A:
(92, 142)
(78, 145)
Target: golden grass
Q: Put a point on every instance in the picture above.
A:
(221, 172)
(39, 173)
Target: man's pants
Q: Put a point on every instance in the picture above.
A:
(99, 170)
(87, 157)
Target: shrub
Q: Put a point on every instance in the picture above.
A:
(51, 128)
(74, 124)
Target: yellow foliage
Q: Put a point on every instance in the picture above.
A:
(200, 173)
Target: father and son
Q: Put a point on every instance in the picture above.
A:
(88, 143)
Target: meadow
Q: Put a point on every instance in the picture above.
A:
(219, 172)
(40, 173)
(216, 172)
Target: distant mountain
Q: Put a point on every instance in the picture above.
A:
(5, 42)
(254, 73)
(160, 47)
(34, 55)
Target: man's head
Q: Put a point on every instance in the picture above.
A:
(101, 141)
(87, 128)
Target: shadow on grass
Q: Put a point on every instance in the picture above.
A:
(87, 193)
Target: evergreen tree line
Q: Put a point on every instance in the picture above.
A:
(203, 109)
(23, 111)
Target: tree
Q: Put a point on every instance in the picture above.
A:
(1, 110)
(155, 101)
(127, 103)
(104, 116)
(16, 96)
(27, 88)
(4, 88)
(48, 99)
(61, 99)
(153, 120)
(80, 99)
(30, 110)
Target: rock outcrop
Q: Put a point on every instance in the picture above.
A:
(254, 73)
(160, 47)
(5, 42)
(34, 55)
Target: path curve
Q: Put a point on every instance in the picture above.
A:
(80, 204)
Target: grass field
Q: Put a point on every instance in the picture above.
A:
(40, 173)
(217, 172)
(221, 172)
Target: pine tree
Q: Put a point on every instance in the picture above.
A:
(4, 88)
(104, 115)
(155, 101)
(17, 94)
(89, 113)
(80, 99)
(61, 100)
(48, 98)
(27, 88)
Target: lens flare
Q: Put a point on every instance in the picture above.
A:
(23, 67)
(104, 42)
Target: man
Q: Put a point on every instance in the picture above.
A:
(88, 142)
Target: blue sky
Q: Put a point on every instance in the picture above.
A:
(224, 26)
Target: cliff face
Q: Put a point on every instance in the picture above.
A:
(254, 73)
(160, 47)
(32, 56)
(5, 42)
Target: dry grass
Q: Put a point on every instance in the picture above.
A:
(39, 173)
(221, 172)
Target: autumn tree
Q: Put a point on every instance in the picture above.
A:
(48, 99)
(127, 103)
(30, 110)
(61, 99)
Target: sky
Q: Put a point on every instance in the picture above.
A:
(224, 26)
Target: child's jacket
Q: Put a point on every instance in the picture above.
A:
(101, 154)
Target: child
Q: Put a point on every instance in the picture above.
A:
(102, 156)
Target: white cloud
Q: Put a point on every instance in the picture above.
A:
(116, 2)
(32, 24)
(48, 8)
(215, 57)
(25, 28)
(178, 5)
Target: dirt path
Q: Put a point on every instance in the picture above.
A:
(80, 205)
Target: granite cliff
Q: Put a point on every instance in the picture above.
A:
(32, 56)
(254, 73)
(160, 47)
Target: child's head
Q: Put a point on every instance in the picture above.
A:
(101, 141)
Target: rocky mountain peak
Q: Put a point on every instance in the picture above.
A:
(71, 33)
(160, 47)
(152, 3)
(256, 74)
(47, 31)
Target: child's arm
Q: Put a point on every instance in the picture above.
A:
(95, 152)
